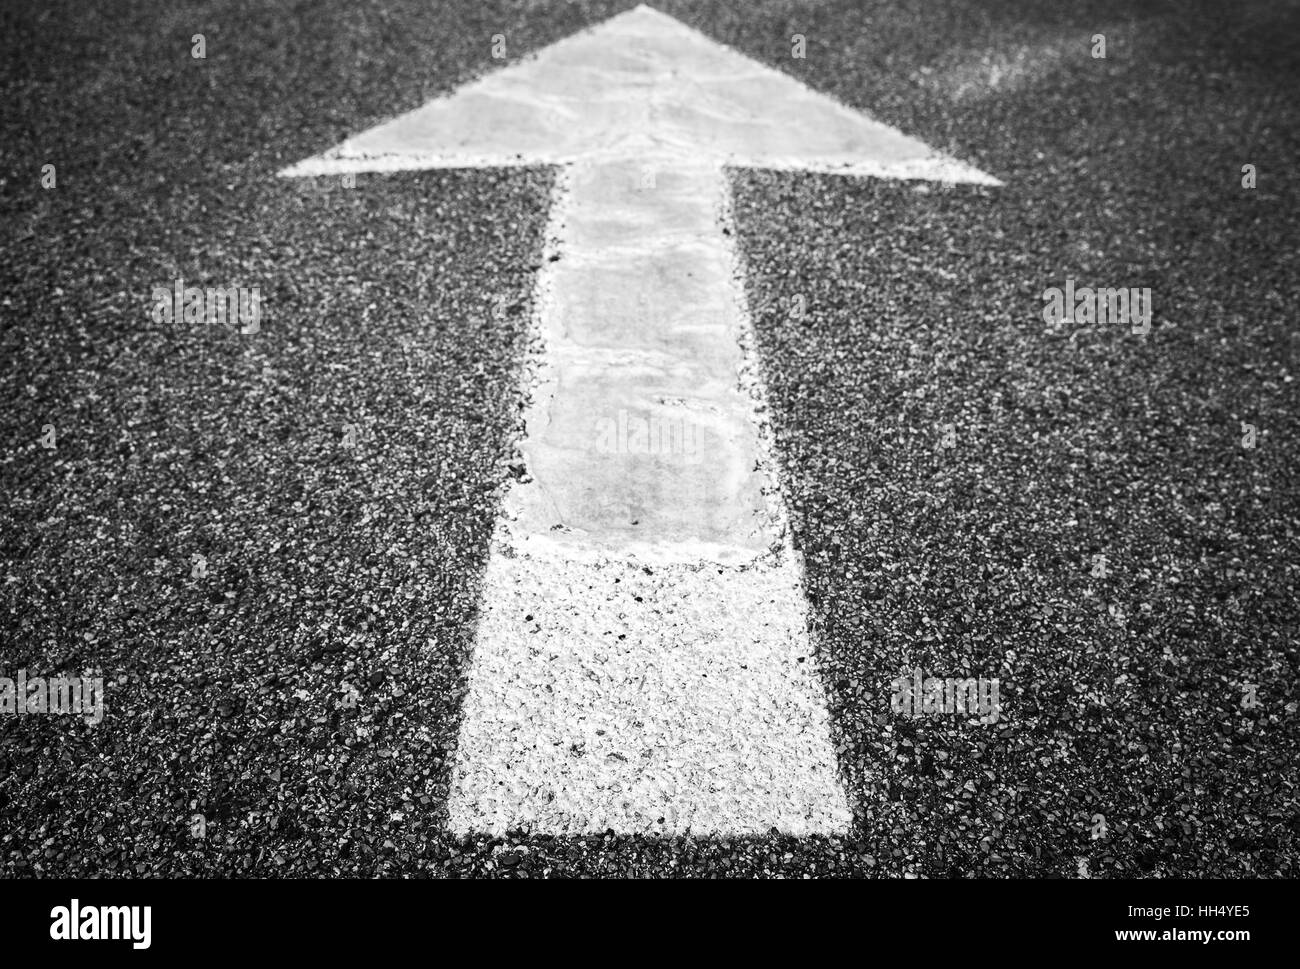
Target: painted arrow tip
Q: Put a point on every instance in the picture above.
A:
(640, 84)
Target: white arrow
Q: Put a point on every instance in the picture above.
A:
(642, 659)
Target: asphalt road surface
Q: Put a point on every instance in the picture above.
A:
(271, 545)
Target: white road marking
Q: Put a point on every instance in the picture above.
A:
(680, 701)
(642, 658)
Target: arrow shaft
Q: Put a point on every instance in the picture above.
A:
(663, 681)
(641, 323)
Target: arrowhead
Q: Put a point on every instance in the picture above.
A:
(640, 83)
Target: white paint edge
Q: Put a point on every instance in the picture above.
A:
(937, 169)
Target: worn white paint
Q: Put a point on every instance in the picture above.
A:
(679, 701)
(642, 659)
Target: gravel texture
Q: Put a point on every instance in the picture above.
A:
(302, 694)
